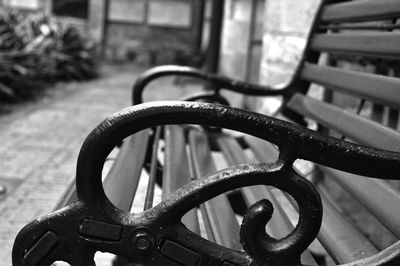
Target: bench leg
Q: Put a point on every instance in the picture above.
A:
(120, 261)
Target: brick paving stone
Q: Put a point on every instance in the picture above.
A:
(39, 147)
(21, 163)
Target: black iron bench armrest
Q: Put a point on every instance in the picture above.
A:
(74, 233)
(218, 82)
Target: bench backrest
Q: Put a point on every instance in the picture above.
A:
(358, 38)
(350, 33)
(359, 71)
(362, 33)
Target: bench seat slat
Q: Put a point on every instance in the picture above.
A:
(234, 156)
(279, 225)
(124, 169)
(338, 236)
(68, 197)
(342, 240)
(121, 182)
(376, 88)
(176, 170)
(220, 216)
(372, 44)
(366, 132)
(353, 126)
(377, 26)
(153, 171)
(384, 204)
(361, 10)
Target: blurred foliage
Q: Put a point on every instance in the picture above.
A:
(37, 50)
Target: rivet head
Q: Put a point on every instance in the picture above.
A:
(143, 241)
(3, 189)
(143, 244)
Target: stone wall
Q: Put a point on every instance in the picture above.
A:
(286, 25)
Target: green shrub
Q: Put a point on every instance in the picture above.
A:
(37, 50)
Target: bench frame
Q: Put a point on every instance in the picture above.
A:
(156, 236)
(102, 226)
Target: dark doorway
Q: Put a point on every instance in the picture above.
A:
(71, 8)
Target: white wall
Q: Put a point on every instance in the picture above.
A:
(286, 25)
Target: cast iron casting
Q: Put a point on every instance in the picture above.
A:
(217, 82)
(157, 237)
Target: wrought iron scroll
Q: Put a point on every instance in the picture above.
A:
(156, 236)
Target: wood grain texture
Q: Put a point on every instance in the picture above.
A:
(370, 44)
(176, 170)
(376, 88)
(355, 127)
(220, 221)
(361, 10)
(121, 182)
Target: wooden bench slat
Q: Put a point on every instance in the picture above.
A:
(353, 126)
(176, 161)
(176, 170)
(121, 182)
(220, 216)
(369, 133)
(263, 150)
(361, 26)
(70, 195)
(372, 44)
(131, 173)
(234, 155)
(361, 10)
(152, 178)
(343, 241)
(279, 226)
(376, 88)
(384, 204)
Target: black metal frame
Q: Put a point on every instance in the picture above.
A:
(156, 236)
(219, 82)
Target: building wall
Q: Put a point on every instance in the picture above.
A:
(126, 26)
(160, 26)
(286, 25)
(25, 4)
(236, 55)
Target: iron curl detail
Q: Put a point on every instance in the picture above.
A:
(261, 248)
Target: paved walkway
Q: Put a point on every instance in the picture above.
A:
(40, 144)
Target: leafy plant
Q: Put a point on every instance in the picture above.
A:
(37, 50)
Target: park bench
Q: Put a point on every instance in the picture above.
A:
(182, 144)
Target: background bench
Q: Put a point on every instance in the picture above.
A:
(359, 44)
